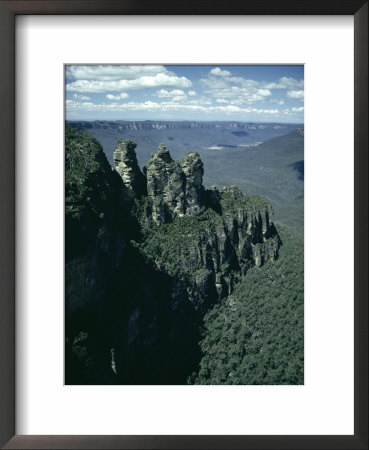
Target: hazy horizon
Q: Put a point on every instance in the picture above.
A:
(184, 120)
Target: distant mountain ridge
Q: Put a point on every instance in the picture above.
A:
(123, 125)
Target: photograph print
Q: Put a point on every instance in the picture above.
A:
(184, 224)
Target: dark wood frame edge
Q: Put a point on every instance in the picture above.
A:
(8, 11)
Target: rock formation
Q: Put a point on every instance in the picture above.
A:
(126, 165)
(175, 188)
(236, 236)
(165, 186)
(193, 169)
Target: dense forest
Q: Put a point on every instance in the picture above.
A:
(256, 335)
(173, 282)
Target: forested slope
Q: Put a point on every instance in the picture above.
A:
(257, 335)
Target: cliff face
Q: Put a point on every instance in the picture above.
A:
(146, 255)
(95, 221)
(210, 253)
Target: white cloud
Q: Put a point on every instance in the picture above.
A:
(236, 89)
(163, 93)
(120, 96)
(228, 108)
(285, 83)
(200, 101)
(221, 100)
(295, 94)
(246, 83)
(214, 83)
(170, 106)
(292, 111)
(81, 97)
(264, 92)
(192, 93)
(240, 95)
(109, 73)
(219, 72)
(144, 81)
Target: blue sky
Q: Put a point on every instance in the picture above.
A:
(249, 93)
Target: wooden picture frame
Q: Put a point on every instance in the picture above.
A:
(8, 11)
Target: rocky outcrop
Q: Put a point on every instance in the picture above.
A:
(165, 186)
(193, 169)
(174, 188)
(126, 165)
